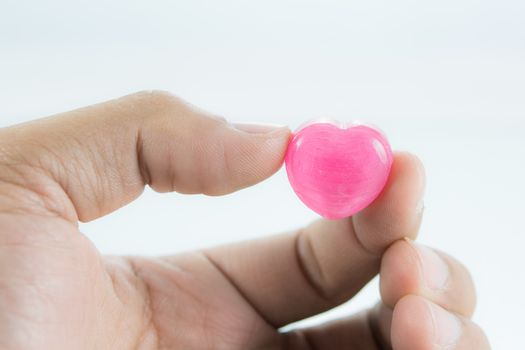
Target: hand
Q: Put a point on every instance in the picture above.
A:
(58, 292)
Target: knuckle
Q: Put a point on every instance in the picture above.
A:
(173, 113)
(195, 158)
(153, 103)
(156, 97)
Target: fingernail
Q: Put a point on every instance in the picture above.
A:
(257, 128)
(447, 327)
(420, 207)
(435, 269)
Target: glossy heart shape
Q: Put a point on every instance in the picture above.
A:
(337, 170)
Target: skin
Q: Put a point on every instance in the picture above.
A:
(58, 292)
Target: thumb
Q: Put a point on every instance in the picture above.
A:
(99, 158)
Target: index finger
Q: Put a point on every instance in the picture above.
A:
(86, 163)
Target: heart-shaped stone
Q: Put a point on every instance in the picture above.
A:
(337, 170)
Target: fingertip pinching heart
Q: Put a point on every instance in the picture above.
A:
(338, 169)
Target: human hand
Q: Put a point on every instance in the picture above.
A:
(58, 292)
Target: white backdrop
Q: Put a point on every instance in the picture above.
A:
(444, 79)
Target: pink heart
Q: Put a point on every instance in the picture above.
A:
(337, 170)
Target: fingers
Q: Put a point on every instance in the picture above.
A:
(410, 268)
(100, 157)
(348, 333)
(289, 277)
(418, 323)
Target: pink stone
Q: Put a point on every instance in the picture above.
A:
(337, 170)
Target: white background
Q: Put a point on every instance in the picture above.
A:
(444, 79)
